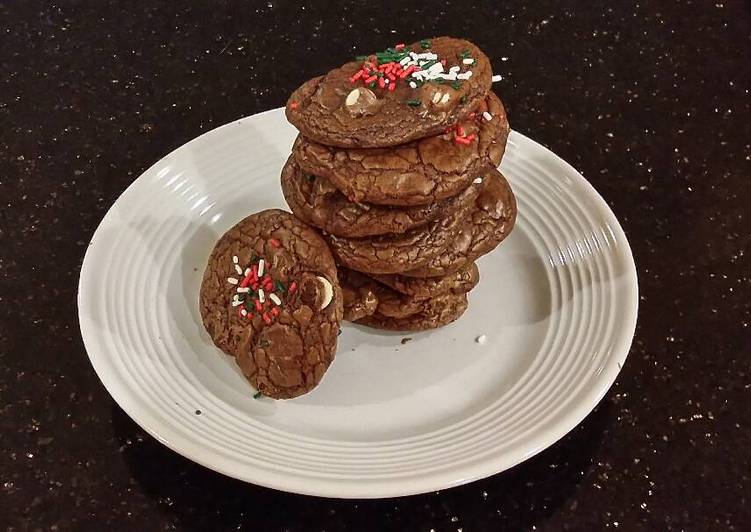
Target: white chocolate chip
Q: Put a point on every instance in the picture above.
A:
(328, 291)
(445, 98)
(477, 180)
(352, 97)
(437, 97)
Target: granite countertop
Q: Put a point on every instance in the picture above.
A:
(649, 101)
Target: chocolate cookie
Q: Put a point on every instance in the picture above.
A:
(394, 96)
(398, 253)
(316, 201)
(459, 282)
(419, 172)
(270, 297)
(359, 294)
(491, 221)
(434, 313)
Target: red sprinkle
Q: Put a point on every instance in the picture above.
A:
(275, 311)
(460, 131)
(392, 86)
(266, 318)
(245, 282)
(249, 316)
(381, 82)
(462, 140)
(259, 307)
(293, 105)
(357, 75)
(471, 137)
(391, 76)
(370, 79)
(254, 272)
(399, 46)
(292, 287)
(274, 242)
(254, 286)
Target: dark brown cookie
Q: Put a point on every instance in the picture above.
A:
(491, 221)
(359, 292)
(270, 297)
(459, 282)
(419, 172)
(316, 201)
(355, 105)
(434, 313)
(398, 253)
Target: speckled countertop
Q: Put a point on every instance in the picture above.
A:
(651, 102)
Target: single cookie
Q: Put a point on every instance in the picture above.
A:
(316, 201)
(420, 172)
(394, 96)
(488, 225)
(398, 253)
(459, 282)
(435, 312)
(270, 297)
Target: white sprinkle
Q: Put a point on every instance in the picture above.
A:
(261, 264)
(413, 55)
(482, 339)
(235, 298)
(435, 67)
(244, 312)
(477, 180)
(386, 81)
(468, 61)
(237, 303)
(487, 116)
(464, 75)
(445, 98)
(275, 299)
(241, 290)
(430, 55)
(231, 280)
(235, 259)
(247, 271)
(261, 295)
(238, 270)
(455, 69)
(437, 97)
(406, 60)
(495, 78)
(413, 84)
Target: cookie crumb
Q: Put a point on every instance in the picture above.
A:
(406, 339)
(482, 339)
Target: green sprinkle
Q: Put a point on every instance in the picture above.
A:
(372, 84)
(254, 258)
(455, 85)
(361, 58)
(464, 54)
(413, 103)
(257, 395)
(310, 178)
(425, 44)
(280, 287)
(437, 81)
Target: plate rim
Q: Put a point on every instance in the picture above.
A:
(563, 424)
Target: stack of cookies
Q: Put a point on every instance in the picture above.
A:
(396, 164)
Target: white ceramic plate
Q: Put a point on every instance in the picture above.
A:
(557, 303)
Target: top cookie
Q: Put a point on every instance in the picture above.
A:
(270, 297)
(394, 96)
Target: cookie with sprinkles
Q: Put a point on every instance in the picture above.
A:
(489, 224)
(394, 96)
(396, 253)
(316, 201)
(420, 172)
(270, 297)
(459, 282)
